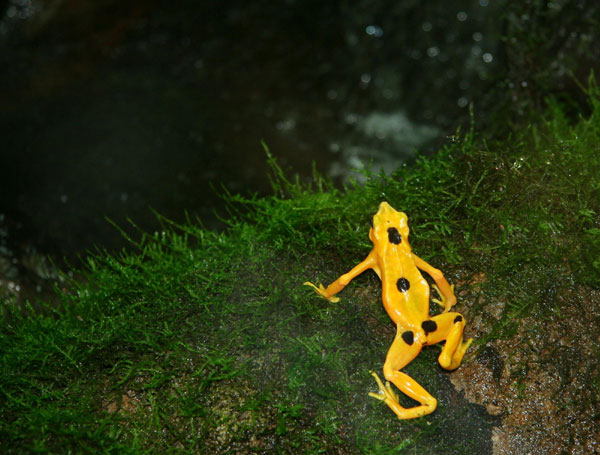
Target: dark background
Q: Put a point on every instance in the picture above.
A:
(114, 109)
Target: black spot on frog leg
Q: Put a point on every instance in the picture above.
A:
(429, 326)
(394, 236)
(408, 337)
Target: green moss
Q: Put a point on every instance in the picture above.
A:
(200, 341)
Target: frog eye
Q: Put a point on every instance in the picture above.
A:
(371, 221)
(394, 236)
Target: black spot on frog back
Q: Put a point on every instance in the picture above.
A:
(403, 284)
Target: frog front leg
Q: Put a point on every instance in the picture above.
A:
(449, 327)
(442, 286)
(343, 280)
(403, 350)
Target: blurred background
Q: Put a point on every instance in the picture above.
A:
(112, 109)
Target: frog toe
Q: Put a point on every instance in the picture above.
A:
(444, 301)
(322, 291)
(385, 391)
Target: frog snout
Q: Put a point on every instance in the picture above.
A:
(385, 206)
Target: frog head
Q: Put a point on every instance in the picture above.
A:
(389, 226)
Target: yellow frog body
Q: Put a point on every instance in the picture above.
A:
(405, 295)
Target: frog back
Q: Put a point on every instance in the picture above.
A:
(405, 293)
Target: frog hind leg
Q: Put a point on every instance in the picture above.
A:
(449, 327)
(403, 350)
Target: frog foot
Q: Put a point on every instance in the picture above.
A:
(385, 394)
(442, 302)
(322, 292)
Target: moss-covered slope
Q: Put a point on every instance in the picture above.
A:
(204, 342)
